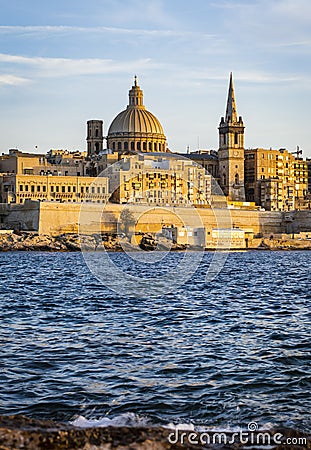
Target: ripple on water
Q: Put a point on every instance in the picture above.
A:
(222, 353)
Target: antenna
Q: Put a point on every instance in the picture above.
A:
(297, 152)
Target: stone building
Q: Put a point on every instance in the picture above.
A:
(19, 188)
(156, 180)
(136, 128)
(275, 179)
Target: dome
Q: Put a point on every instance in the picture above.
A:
(135, 128)
(135, 120)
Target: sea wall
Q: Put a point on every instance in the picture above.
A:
(59, 218)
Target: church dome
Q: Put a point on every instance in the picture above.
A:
(136, 128)
(135, 120)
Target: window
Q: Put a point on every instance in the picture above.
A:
(57, 188)
(44, 188)
(98, 190)
(38, 188)
(93, 190)
(21, 187)
(82, 189)
(69, 188)
(32, 188)
(236, 178)
(138, 145)
(87, 189)
(73, 188)
(26, 188)
(52, 188)
(236, 138)
(126, 145)
(63, 188)
(119, 145)
(103, 190)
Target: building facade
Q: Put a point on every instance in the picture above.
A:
(19, 188)
(275, 179)
(155, 180)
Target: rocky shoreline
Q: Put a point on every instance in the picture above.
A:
(32, 241)
(19, 432)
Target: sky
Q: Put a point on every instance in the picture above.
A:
(68, 61)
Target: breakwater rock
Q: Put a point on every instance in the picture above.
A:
(31, 241)
(19, 432)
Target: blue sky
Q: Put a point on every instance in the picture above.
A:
(65, 62)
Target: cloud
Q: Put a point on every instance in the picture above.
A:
(61, 29)
(62, 67)
(12, 80)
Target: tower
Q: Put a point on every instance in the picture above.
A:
(94, 137)
(231, 150)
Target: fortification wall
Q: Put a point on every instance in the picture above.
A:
(58, 218)
(20, 217)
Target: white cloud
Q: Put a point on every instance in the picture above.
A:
(61, 67)
(61, 29)
(12, 80)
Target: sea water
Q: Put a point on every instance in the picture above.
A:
(218, 353)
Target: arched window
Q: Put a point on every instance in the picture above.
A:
(150, 146)
(126, 145)
(119, 145)
(144, 146)
(155, 147)
(236, 178)
(236, 138)
(113, 146)
(138, 145)
(132, 145)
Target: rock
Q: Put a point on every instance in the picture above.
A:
(19, 432)
(148, 243)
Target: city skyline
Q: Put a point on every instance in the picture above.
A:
(64, 64)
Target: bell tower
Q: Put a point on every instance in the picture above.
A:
(94, 137)
(231, 150)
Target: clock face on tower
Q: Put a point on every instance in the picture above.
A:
(235, 153)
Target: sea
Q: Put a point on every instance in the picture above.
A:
(216, 352)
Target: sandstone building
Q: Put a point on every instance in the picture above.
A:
(159, 181)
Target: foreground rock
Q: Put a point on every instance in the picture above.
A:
(19, 432)
(32, 241)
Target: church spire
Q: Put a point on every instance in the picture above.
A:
(231, 113)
